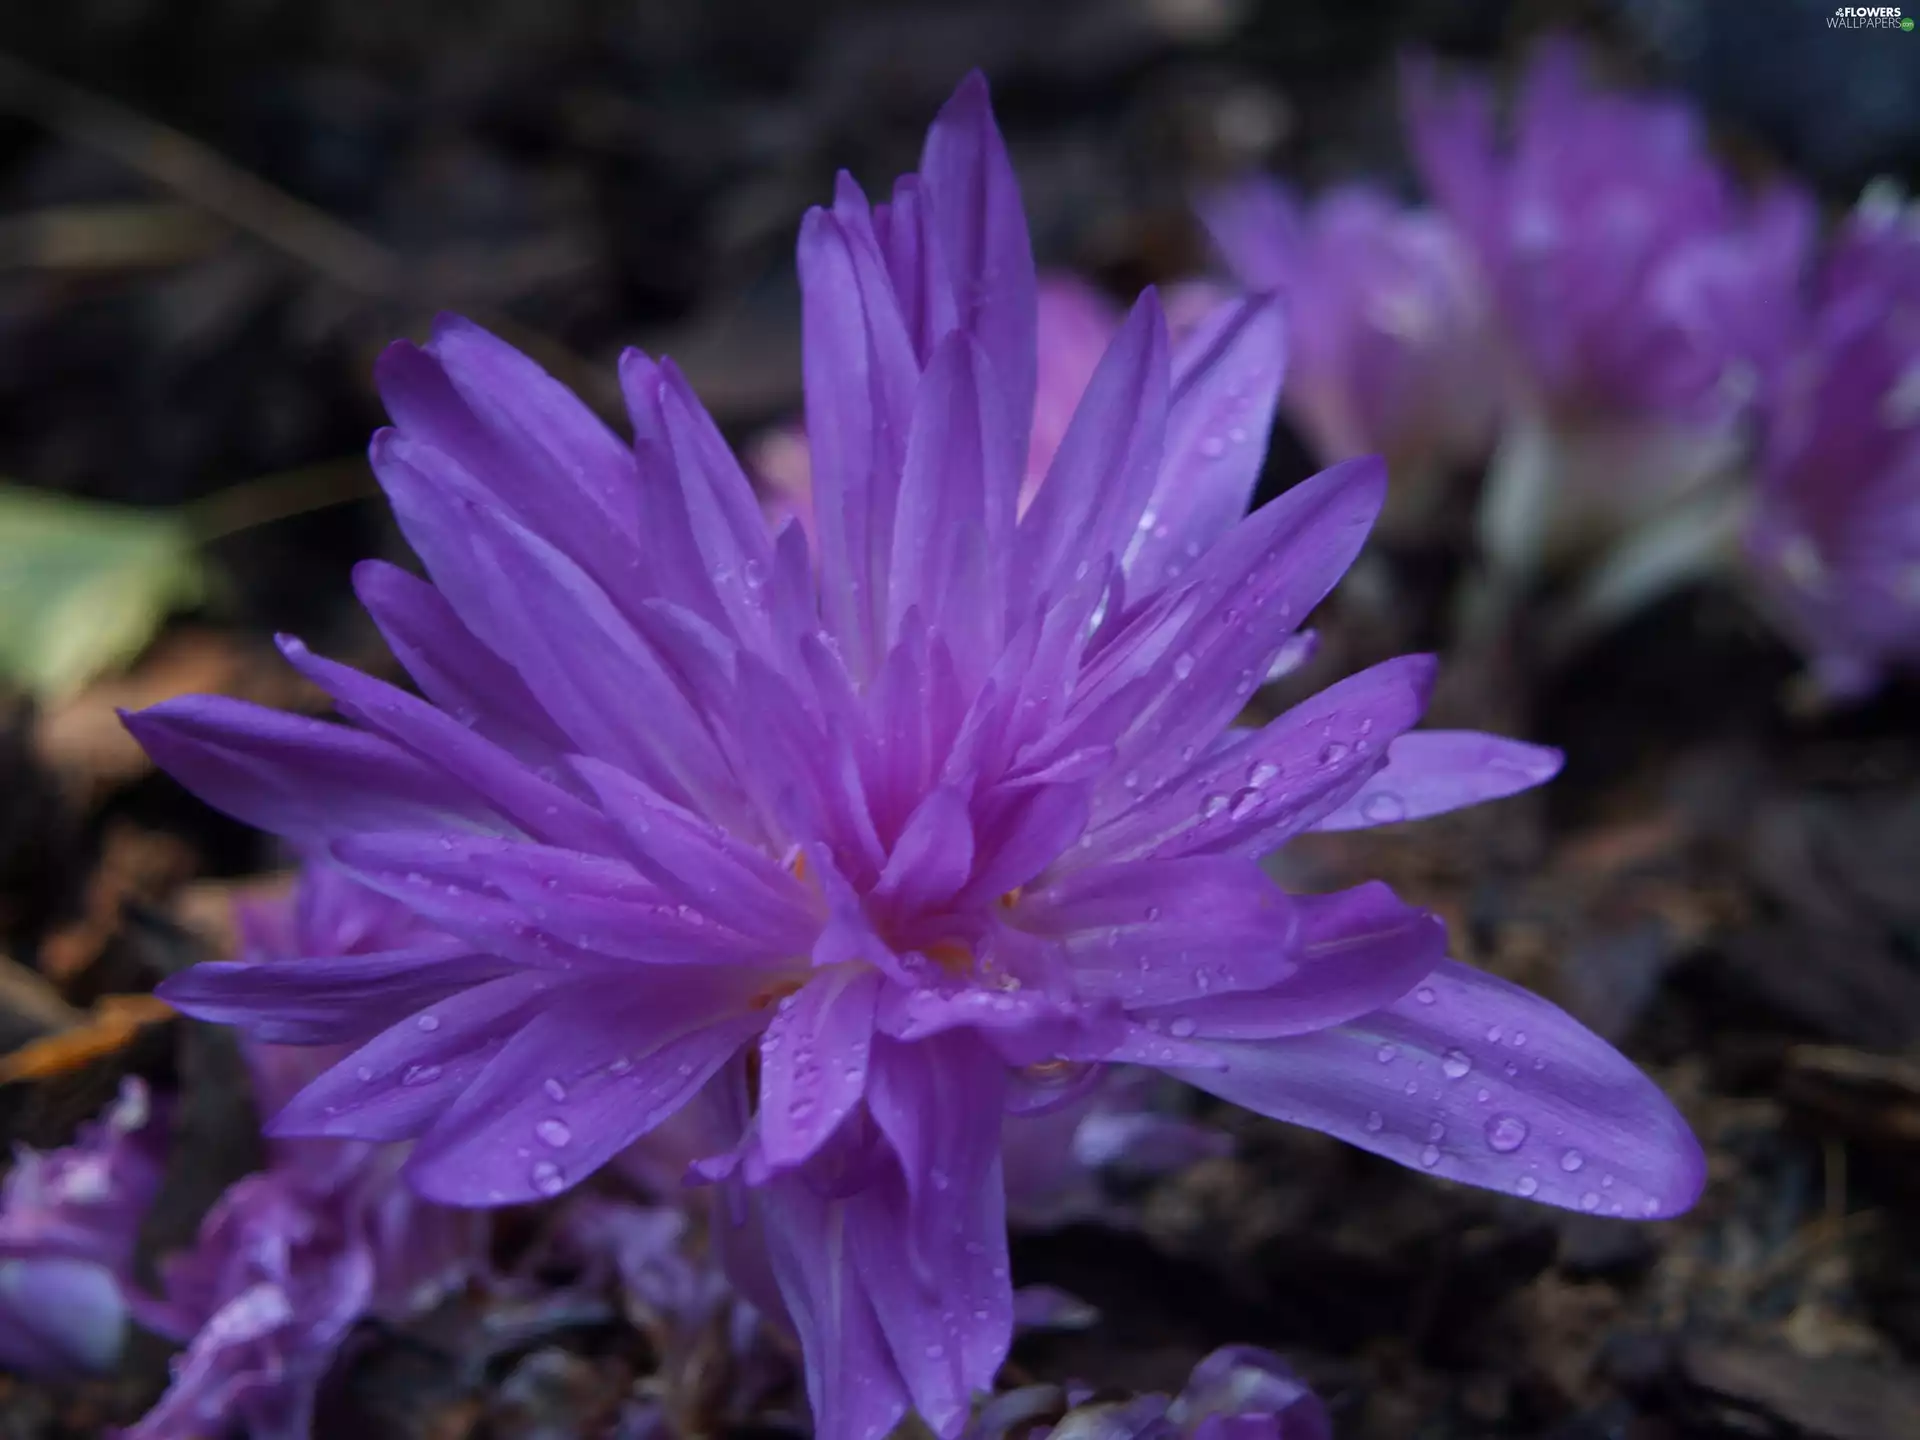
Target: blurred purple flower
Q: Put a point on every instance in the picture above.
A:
(1628, 272)
(1641, 297)
(69, 1219)
(1054, 1158)
(292, 1257)
(1236, 1393)
(1387, 323)
(1835, 535)
(851, 852)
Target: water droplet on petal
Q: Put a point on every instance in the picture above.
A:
(1519, 1039)
(1651, 1207)
(1455, 1064)
(620, 1066)
(1182, 1027)
(1243, 801)
(1375, 1122)
(1383, 807)
(556, 1092)
(364, 1073)
(1483, 1095)
(554, 1132)
(428, 1023)
(1572, 1161)
(1153, 913)
(1506, 1133)
(1261, 773)
(1590, 1201)
(1212, 806)
(548, 1178)
(1606, 1182)
(1182, 665)
(1213, 447)
(1527, 1185)
(1430, 1156)
(1333, 753)
(1424, 995)
(1436, 1131)
(1413, 1087)
(1386, 1053)
(420, 1075)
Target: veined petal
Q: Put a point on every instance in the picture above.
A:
(1358, 951)
(973, 198)
(1476, 1080)
(401, 1081)
(304, 779)
(329, 999)
(592, 1072)
(813, 1062)
(1225, 387)
(1429, 772)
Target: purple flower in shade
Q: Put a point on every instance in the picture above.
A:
(292, 1257)
(1835, 534)
(1640, 295)
(69, 1219)
(1236, 1393)
(859, 853)
(1387, 323)
(1054, 1158)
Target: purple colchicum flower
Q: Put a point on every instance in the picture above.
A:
(1641, 296)
(1835, 533)
(1386, 321)
(862, 854)
(293, 1256)
(69, 1219)
(1236, 1393)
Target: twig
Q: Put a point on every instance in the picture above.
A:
(278, 497)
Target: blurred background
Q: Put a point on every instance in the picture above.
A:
(214, 213)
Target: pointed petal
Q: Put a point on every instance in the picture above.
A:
(595, 1070)
(401, 1081)
(1429, 772)
(1476, 1080)
(330, 999)
(1226, 386)
(813, 1062)
(974, 201)
(304, 779)
(1358, 951)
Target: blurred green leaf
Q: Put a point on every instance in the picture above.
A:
(83, 585)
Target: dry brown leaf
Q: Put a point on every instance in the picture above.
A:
(135, 865)
(114, 1020)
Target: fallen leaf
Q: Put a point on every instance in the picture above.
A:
(113, 1021)
(84, 584)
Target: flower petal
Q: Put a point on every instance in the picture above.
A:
(331, 999)
(1429, 772)
(813, 1062)
(1474, 1079)
(581, 1081)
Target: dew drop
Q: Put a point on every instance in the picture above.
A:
(420, 1075)
(1590, 1201)
(554, 1132)
(1182, 665)
(1333, 753)
(1413, 1087)
(556, 1092)
(1572, 1161)
(1527, 1185)
(1153, 913)
(1383, 807)
(428, 1023)
(1519, 1039)
(620, 1066)
(1455, 1064)
(1386, 1053)
(1483, 1095)
(1182, 1027)
(1243, 801)
(1430, 1156)
(1212, 806)
(1213, 447)
(1539, 1062)
(1436, 1131)
(1506, 1133)
(1262, 773)
(1494, 1032)
(1650, 1207)
(1375, 1122)
(548, 1178)
(1511, 1069)
(1606, 1182)
(1131, 780)
(364, 1073)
